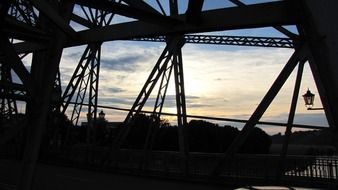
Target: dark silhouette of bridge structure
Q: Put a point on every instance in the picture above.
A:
(43, 30)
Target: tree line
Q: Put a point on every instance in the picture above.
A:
(202, 136)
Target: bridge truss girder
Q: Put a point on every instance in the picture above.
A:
(24, 24)
(163, 68)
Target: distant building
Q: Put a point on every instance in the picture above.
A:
(111, 128)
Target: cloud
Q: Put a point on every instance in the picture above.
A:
(170, 101)
(115, 90)
(193, 105)
(116, 101)
(126, 63)
(74, 55)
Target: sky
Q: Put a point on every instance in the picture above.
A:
(220, 81)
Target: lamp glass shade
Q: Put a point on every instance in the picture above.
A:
(308, 98)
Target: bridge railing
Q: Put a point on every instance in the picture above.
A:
(323, 167)
(250, 166)
(255, 165)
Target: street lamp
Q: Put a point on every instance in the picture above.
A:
(102, 115)
(309, 99)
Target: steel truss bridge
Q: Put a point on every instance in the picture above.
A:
(44, 29)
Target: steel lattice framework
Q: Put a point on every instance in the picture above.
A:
(43, 29)
(230, 40)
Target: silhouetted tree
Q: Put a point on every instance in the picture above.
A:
(208, 137)
(258, 142)
(138, 131)
(166, 139)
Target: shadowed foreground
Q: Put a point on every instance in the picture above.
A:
(64, 178)
(53, 177)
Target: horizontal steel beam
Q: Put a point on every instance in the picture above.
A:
(251, 16)
(22, 31)
(28, 47)
(18, 97)
(229, 40)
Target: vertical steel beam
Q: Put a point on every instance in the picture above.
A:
(194, 11)
(181, 109)
(94, 83)
(180, 94)
(173, 5)
(44, 69)
(291, 117)
(261, 108)
(180, 100)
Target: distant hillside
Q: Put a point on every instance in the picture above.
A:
(306, 141)
(314, 137)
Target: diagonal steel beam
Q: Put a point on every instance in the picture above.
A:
(130, 11)
(20, 30)
(139, 4)
(28, 47)
(45, 8)
(281, 29)
(82, 21)
(300, 53)
(13, 60)
(319, 29)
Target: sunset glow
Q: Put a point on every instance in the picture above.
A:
(218, 82)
